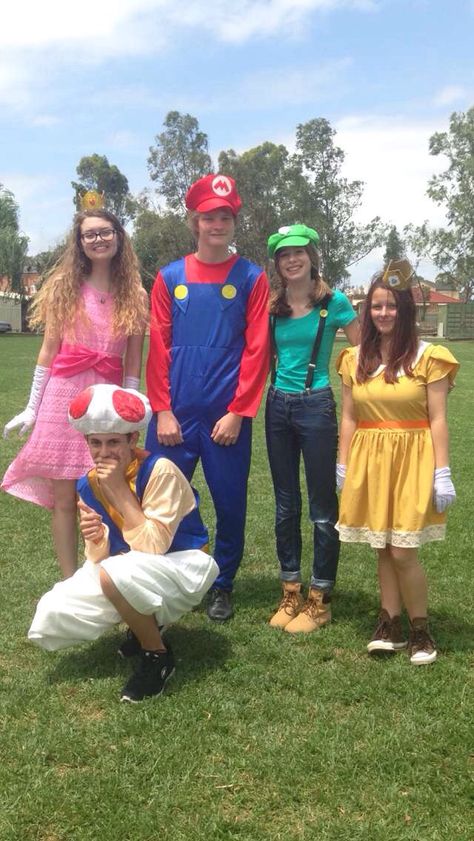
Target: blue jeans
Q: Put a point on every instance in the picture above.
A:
(295, 424)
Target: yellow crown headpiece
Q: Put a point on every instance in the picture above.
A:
(92, 200)
(398, 274)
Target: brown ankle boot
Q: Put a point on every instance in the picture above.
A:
(289, 606)
(315, 613)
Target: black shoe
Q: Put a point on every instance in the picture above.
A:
(219, 606)
(151, 676)
(130, 647)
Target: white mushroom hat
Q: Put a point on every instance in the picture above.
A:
(104, 408)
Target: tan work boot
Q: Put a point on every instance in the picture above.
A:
(289, 606)
(315, 613)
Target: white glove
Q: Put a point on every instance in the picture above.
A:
(27, 418)
(341, 470)
(443, 489)
(132, 382)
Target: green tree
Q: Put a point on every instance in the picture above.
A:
(45, 260)
(272, 189)
(13, 244)
(158, 239)
(394, 246)
(179, 157)
(95, 173)
(452, 248)
(332, 201)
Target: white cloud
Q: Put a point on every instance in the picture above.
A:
(37, 40)
(260, 18)
(16, 81)
(49, 23)
(283, 86)
(26, 188)
(449, 95)
(391, 156)
(44, 121)
(273, 87)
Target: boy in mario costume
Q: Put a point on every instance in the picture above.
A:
(131, 505)
(207, 365)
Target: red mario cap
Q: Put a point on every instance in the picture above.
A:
(212, 192)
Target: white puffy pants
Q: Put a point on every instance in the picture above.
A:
(76, 610)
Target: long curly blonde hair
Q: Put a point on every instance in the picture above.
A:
(58, 300)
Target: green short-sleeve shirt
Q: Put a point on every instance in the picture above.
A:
(294, 338)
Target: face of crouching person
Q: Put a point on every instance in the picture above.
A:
(112, 451)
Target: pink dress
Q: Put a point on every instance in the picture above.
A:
(54, 449)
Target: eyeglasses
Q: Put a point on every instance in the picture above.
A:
(105, 234)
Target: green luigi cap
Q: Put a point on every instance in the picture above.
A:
(292, 235)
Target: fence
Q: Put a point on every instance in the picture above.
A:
(457, 321)
(10, 310)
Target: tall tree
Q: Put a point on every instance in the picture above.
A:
(452, 248)
(13, 244)
(45, 260)
(96, 173)
(394, 246)
(332, 201)
(272, 188)
(179, 157)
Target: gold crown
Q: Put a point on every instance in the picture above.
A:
(398, 274)
(92, 200)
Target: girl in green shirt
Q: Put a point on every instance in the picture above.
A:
(300, 419)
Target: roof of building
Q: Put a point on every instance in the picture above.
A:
(433, 297)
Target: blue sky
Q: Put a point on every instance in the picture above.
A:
(101, 76)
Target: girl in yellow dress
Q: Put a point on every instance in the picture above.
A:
(393, 465)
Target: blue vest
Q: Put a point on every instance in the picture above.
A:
(187, 536)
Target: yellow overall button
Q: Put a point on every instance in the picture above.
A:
(229, 291)
(181, 292)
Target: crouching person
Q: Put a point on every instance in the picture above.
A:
(131, 505)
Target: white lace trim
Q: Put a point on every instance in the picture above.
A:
(379, 539)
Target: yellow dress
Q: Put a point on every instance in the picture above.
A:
(387, 496)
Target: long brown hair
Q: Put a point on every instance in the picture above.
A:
(278, 298)
(58, 299)
(404, 343)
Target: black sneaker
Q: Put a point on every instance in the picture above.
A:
(130, 647)
(151, 676)
(219, 606)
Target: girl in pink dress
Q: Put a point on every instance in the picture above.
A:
(93, 309)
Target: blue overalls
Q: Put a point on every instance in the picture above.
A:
(208, 339)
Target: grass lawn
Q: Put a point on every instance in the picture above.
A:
(259, 735)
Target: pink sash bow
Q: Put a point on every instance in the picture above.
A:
(74, 359)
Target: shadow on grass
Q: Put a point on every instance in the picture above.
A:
(197, 652)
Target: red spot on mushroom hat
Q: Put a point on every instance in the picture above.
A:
(105, 408)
